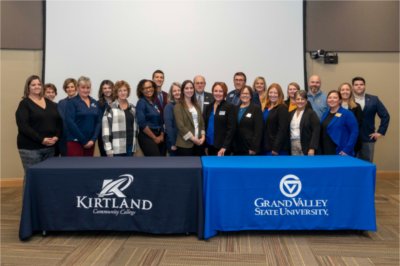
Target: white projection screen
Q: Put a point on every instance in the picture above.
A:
(128, 40)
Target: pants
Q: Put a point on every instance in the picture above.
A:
(149, 147)
(296, 147)
(76, 149)
(32, 157)
(194, 151)
(366, 152)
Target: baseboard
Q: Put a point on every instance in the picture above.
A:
(11, 182)
(388, 174)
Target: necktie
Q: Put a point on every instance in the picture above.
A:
(199, 102)
(160, 98)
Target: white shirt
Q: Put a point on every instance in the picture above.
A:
(360, 100)
(195, 117)
(295, 125)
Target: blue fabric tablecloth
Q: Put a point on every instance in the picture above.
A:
(288, 193)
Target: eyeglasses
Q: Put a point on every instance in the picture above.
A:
(147, 88)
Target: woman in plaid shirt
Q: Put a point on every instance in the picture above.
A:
(119, 123)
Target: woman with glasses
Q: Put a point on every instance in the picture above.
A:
(304, 127)
(248, 131)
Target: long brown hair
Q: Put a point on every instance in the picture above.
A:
(192, 99)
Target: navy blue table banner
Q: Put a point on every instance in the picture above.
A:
(160, 195)
(288, 193)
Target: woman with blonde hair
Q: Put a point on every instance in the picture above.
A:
(260, 87)
(174, 96)
(292, 88)
(83, 119)
(348, 102)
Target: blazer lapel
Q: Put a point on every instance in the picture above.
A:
(303, 118)
(189, 116)
(367, 102)
(248, 110)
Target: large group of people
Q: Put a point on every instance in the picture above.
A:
(188, 121)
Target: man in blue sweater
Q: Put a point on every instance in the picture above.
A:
(371, 106)
(315, 96)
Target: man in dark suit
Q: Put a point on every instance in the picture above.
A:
(371, 106)
(162, 97)
(203, 98)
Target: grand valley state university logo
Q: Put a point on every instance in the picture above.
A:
(290, 186)
(111, 200)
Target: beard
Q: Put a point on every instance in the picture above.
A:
(314, 89)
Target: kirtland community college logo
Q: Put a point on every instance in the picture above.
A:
(112, 201)
(111, 187)
(290, 186)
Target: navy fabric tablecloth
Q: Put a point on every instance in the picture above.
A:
(288, 193)
(160, 195)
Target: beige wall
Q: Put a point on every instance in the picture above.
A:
(16, 66)
(381, 71)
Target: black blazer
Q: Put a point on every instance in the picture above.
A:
(248, 131)
(309, 130)
(358, 113)
(208, 100)
(276, 133)
(224, 124)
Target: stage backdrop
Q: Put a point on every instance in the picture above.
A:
(130, 39)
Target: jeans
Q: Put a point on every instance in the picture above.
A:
(366, 152)
(32, 157)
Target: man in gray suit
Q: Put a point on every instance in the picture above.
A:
(203, 98)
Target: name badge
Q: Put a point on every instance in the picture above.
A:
(221, 112)
(206, 103)
(248, 115)
(338, 114)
